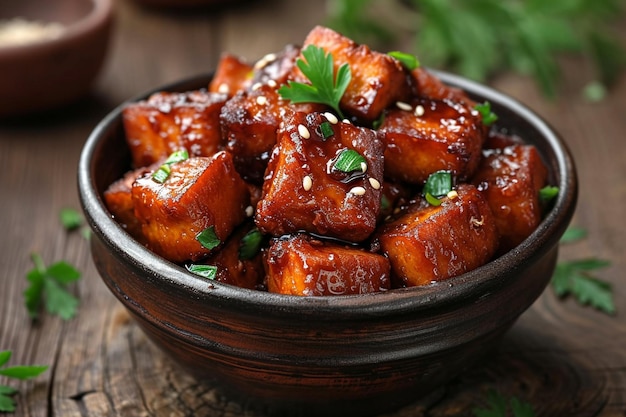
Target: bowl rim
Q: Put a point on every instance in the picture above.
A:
(98, 16)
(464, 288)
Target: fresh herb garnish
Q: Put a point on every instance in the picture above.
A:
(326, 130)
(205, 271)
(548, 193)
(409, 61)
(575, 278)
(350, 160)
(488, 116)
(163, 172)
(71, 219)
(250, 244)
(325, 87)
(438, 184)
(499, 406)
(208, 238)
(22, 372)
(49, 285)
(376, 124)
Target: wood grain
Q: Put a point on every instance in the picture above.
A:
(564, 359)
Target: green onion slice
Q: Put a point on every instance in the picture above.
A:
(548, 192)
(161, 174)
(250, 244)
(208, 238)
(326, 129)
(433, 201)
(438, 184)
(206, 271)
(177, 156)
(488, 116)
(350, 160)
(409, 61)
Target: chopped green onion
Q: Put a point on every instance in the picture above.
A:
(177, 156)
(484, 109)
(547, 193)
(433, 201)
(376, 124)
(206, 271)
(439, 183)
(409, 61)
(349, 160)
(327, 130)
(161, 174)
(250, 244)
(208, 238)
(385, 204)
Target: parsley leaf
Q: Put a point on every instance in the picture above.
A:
(409, 61)
(48, 287)
(208, 238)
(71, 219)
(17, 372)
(325, 87)
(498, 406)
(250, 244)
(205, 271)
(575, 278)
(488, 116)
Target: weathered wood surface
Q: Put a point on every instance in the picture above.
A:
(564, 359)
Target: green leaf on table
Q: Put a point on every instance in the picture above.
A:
(48, 286)
(498, 407)
(71, 219)
(574, 278)
(326, 87)
(573, 234)
(22, 372)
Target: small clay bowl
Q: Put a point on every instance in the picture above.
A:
(50, 72)
(345, 355)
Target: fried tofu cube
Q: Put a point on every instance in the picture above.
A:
(231, 75)
(168, 122)
(510, 179)
(275, 68)
(425, 136)
(249, 121)
(434, 243)
(235, 266)
(198, 194)
(378, 80)
(428, 85)
(304, 189)
(299, 265)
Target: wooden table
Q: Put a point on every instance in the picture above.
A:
(564, 359)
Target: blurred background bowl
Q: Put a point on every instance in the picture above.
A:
(51, 71)
(345, 355)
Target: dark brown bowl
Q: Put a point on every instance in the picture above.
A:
(346, 355)
(49, 73)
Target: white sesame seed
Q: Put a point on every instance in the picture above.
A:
(249, 211)
(404, 106)
(223, 88)
(261, 100)
(363, 166)
(264, 61)
(357, 191)
(272, 83)
(331, 117)
(256, 86)
(419, 110)
(304, 132)
(346, 121)
(374, 183)
(307, 183)
(452, 195)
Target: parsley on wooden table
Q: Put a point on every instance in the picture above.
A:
(22, 372)
(499, 406)
(479, 38)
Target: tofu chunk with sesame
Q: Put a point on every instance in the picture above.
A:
(199, 193)
(378, 80)
(426, 84)
(424, 136)
(510, 179)
(167, 122)
(299, 265)
(309, 187)
(433, 243)
(231, 75)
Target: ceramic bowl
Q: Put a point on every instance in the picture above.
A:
(346, 355)
(52, 71)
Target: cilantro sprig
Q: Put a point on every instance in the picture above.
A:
(575, 278)
(499, 406)
(22, 372)
(325, 88)
(48, 286)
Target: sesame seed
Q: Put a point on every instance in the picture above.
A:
(357, 191)
(363, 167)
(477, 223)
(374, 183)
(403, 106)
(452, 195)
(256, 86)
(419, 110)
(261, 100)
(272, 83)
(331, 117)
(223, 88)
(304, 132)
(249, 211)
(307, 183)
(264, 61)
(346, 121)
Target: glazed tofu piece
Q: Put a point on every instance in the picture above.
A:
(378, 80)
(274, 69)
(249, 122)
(299, 265)
(167, 122)
(434, 243)
(231, 75)
(428, 85)
(424, 136)
(305, 189)
(200, 193)
(238, 262)
(510, 179)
